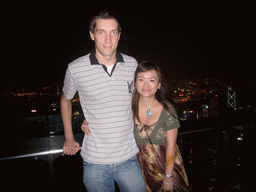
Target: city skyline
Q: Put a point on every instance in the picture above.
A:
(43, 100)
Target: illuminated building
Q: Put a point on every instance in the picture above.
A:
(231, 98)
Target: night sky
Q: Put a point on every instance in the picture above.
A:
(189, 41)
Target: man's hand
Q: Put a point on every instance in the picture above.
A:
(70, 147)
(85, 128)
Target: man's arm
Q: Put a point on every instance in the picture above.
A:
(70, 146)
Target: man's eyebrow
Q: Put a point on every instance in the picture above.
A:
(105, 30)
(100, 30)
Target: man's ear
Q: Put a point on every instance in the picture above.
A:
(91, 35)
(119, 35)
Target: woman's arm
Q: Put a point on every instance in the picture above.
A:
(85, 127)
(170, 157)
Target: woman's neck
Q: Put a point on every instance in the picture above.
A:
(147, 101)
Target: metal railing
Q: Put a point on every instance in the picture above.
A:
(213, 156)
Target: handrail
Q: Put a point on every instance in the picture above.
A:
(53, 144)
(39, 147)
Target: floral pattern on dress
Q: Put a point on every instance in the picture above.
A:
(143, 130)
(171, 120)
(161, 134)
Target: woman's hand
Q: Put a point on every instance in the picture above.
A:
(167, 184)
(85, 128)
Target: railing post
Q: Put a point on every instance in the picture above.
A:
(226, 138)
(50, 162)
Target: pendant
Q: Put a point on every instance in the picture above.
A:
(148, 113)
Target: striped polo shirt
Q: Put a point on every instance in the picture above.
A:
(106, 103)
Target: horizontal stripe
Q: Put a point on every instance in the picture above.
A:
(107, 152)
(96, 152)
(106, 104)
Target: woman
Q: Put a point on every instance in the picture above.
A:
(155, 130)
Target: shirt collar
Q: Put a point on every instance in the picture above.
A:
(94, 61)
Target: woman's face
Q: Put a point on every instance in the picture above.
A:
(147, 83)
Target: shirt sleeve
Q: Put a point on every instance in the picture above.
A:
(171, 120)
(70, 85)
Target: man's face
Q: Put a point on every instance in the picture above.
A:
(106, 37)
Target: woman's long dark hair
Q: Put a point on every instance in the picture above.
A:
(161, 94)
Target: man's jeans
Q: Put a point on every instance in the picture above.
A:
(101, 177)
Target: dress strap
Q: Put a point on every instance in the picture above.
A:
(154, 150)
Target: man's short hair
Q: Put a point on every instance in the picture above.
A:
(103, 15)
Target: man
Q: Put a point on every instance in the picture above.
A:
(104, 80)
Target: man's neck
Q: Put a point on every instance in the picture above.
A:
(106, 60)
